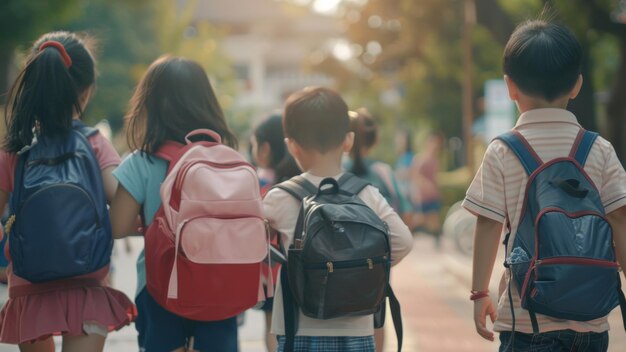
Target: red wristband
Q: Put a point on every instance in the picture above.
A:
(478, 294)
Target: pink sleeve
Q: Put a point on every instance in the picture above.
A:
(105, 153)
(8, 162)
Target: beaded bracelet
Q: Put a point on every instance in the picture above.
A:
(478, 294)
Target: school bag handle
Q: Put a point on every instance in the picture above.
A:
(203, 132)
(324, 189)
(571, 187)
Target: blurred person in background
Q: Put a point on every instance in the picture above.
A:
(275, 165)
(425, 192)
(404, 145)
(379, 174)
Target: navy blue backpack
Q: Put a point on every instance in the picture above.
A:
(60, 226)
(562, 257)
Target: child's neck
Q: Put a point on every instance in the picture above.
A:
(325, 165)
(528, 104)
(325, 170)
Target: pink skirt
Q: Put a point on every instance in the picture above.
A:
(37, 311)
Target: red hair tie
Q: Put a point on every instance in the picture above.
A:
(66, 58)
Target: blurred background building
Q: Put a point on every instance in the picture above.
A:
(269, 46)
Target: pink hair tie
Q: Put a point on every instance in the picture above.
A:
(66, 58)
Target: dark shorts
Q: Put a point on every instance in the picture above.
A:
(330, 344)
(159, 330)
(555, 341)
(428, 207)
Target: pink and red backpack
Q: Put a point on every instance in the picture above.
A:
(207, 242)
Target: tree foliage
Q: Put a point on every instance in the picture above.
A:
(421, 54)
(129, 35)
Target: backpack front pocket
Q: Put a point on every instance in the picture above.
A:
(547, 294)
(330, 287)
(224, 240)
(58, 242)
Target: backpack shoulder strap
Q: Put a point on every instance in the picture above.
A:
(522, 149)
(353, 184)
(85, 130)
(582, 146)
(170, 151)
(298, 187)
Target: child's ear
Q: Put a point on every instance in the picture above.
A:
(85, 97)
(293, 148)
(512, 87)
(579, 84)
(348, 142)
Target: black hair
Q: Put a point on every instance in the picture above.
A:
(47, 92)
(173, 98)
(365, 136)
(270, 131)
(543, 59)
(316, 118)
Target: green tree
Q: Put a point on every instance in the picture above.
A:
(420, 52)
(21, 22)
(600, 34)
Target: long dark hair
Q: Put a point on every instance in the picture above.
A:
(270, 131)
(173, 98)
(46, 94)
(365, 131)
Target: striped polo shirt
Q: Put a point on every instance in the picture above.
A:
(497, 193)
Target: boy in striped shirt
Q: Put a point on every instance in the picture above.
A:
(542, 70)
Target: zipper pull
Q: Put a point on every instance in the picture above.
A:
(9, 224)
(329, 265)
(370, 263)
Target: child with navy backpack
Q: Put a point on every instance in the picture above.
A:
(558, 195)
(58, 172)
(317, 128)
(201, 213)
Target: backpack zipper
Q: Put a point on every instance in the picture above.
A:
(576, 261)
(330, 266)
(80, 189)
(182, 173)
(563, 260)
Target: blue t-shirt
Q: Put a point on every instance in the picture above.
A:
(142, 176)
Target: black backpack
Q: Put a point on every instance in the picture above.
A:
(340, 258)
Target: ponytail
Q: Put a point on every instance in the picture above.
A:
(365, 135)
(47, 92)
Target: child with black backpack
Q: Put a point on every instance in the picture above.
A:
(558, 194)
(340, 233)
(58, 172)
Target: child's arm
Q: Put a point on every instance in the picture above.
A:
(124, 211)
(110, 183)
(486, 242)
(400, 237)
(617, 219)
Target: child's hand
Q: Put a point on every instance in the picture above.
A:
(482, 308)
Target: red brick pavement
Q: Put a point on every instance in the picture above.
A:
(435, 306)
(437, 313)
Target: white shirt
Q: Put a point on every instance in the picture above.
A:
(497, 193)
(282, 211)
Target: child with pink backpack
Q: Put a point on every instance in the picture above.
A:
(200, 206)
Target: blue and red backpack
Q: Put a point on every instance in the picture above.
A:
(562, 257)
(60, 224)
